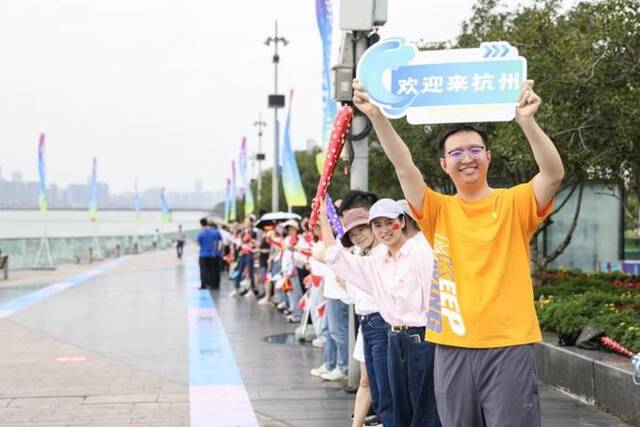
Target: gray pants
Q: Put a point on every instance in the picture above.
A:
(492, 387)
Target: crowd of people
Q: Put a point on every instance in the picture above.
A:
(440, 284)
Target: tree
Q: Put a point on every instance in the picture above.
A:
(587, 69)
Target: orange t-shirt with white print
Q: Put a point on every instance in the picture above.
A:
(481, 294)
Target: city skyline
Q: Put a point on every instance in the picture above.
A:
(17, 192)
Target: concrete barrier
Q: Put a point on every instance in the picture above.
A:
(604, 379)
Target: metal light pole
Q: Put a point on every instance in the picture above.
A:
(259, 155)
(360, 164)
(276, 101)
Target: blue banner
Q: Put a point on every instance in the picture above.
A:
(42, 197)
(136, 202)
(324, 18)
(164, 207)
(93, 198)
(291, 182)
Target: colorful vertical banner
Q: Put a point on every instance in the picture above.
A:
(324, 18)
(244, 177)
(293, 190)
(232, 212)
(93, 192)
(136, 202)
(42, 197)
(164, 207)
(227, 201)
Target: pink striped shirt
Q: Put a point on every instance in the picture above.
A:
(399, 285)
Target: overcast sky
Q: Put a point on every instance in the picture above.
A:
(165, 90)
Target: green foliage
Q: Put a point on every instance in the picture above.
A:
(585, 64)
(609, 301)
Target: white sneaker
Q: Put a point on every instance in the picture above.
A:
(318, 342)
(335, 375)
(249, 294)
(318, 372)
(282, 305)
(233, 293)
(263, 301)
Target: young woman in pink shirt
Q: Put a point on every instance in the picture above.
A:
(398, 277)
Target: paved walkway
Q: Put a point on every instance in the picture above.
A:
(134, 342)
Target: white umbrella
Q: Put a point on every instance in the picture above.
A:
(271, 217)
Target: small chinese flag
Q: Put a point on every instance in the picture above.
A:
(287, 286)
(316, 280)
(302, 304)
(320, 309)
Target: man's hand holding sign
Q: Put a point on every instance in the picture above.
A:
(480, 236)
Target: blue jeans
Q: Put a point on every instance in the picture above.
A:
(336, 346)
(293, 296)
(411, 379)
(375, 332)
(245, 261)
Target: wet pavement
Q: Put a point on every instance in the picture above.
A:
(138, 344)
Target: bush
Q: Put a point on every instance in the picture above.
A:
(569, 301)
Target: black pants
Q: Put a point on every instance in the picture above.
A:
(180, 248)
(209, 272)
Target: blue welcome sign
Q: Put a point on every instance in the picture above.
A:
(443, 86)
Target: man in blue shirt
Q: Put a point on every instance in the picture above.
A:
(209, 240)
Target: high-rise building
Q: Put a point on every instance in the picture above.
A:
(16, 176)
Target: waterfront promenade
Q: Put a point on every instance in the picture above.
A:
(132, 341)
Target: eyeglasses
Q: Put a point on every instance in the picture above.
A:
(474, 153)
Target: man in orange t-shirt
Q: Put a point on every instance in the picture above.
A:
(481, 313)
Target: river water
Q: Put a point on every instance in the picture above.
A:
(18, 224)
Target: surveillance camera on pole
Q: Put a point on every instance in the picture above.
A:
(358, 21)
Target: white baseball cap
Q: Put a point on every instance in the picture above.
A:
(407, 209)
(386, 208)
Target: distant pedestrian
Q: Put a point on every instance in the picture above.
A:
(218, 254)
(180, 238)
(209, 240)
(156, 240)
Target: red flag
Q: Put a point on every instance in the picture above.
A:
(287, 286)
(320, 309)
(302, 304)
(338, 136)
(316, 280)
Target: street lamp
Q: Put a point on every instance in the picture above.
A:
(276, 101)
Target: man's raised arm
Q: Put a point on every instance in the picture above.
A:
(394, 147)
(548, 180)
